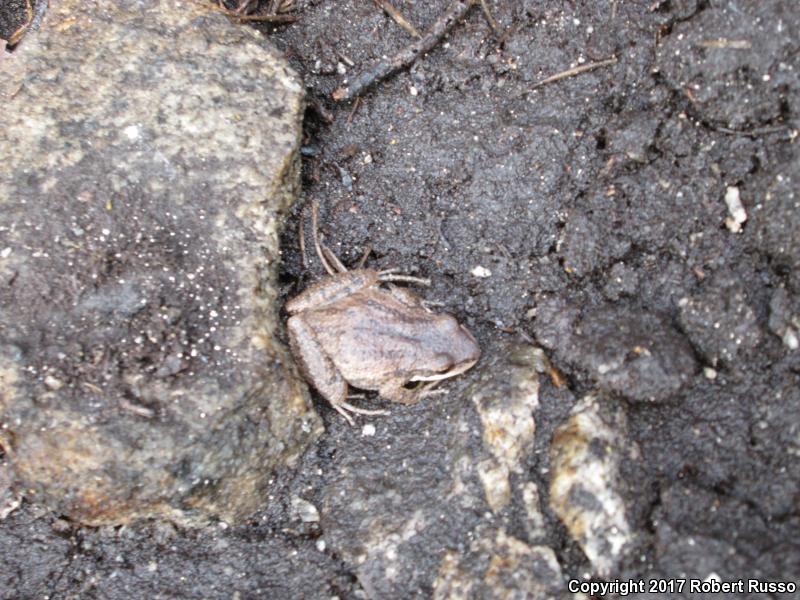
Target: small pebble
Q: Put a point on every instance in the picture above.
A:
(53, 383)
(790, 339)
(735, 209)
(341, 69)
(481, 272)
(6, 252)
(413, 91)
(710, 373)
(368, 430)
(304, 510)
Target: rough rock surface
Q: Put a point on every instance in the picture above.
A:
(506, 404)
(151, 151)
(586, 487)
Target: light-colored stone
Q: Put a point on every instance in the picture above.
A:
(505, 404)
(585, 489)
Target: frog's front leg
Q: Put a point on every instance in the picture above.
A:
(332, 290)
(319, 369)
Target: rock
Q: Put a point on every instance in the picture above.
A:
(693, 536)
(506, 404)
(625, 349)
(507, 568)
(586, 490)
(737, 214)
(719, 320)
(152, 152)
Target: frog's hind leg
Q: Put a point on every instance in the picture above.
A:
(320, 370)
(317, 368)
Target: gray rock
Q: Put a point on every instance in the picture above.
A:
(586, 490)
(152, 152)
(506, 408)
(158, 560)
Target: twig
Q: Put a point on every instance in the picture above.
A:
(398, 17)
(353, 112)
(492, 23)
(576, 71)
(383, 68)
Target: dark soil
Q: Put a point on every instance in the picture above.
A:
(597, 203)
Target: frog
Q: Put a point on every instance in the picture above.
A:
(357, 327)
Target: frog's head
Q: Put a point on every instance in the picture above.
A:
(452, 348)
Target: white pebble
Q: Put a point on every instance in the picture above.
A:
(481, 272)
(6, 252)
(413, 91)
(790, 340)
(368, 430)
(53, 383)
(735, 209)
(131, 132)
(710, 373)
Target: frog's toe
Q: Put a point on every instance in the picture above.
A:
(361, 411)
(341, 410)
(344, 409)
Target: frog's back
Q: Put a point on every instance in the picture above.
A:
(371, 337)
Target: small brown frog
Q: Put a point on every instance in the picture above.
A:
(357, 328)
